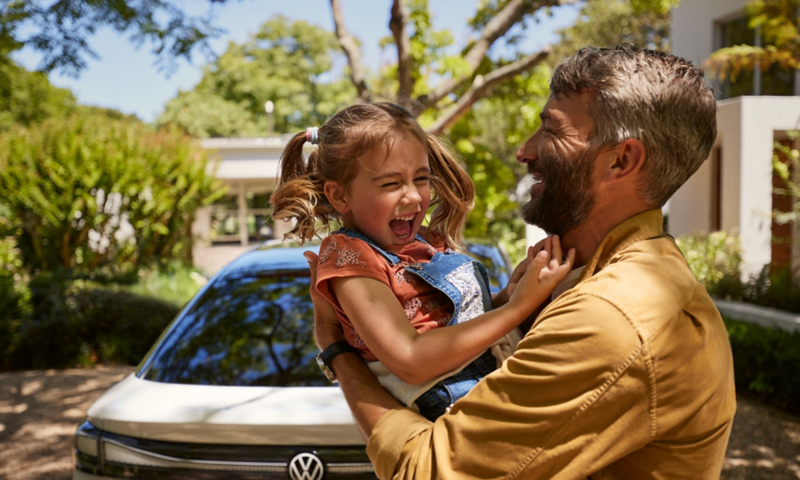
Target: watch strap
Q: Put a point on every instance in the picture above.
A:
(334, 350)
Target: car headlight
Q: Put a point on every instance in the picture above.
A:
(86, 445)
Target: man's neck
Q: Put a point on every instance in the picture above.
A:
(587, 237)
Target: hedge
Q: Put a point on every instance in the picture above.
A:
(766, 363)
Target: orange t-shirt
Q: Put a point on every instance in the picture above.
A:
(341, 256)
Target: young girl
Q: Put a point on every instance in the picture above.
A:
(393, 282)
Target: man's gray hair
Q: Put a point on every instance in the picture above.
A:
(659, 99)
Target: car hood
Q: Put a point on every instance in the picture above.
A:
(225, 415)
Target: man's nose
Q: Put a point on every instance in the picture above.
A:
(528, 152)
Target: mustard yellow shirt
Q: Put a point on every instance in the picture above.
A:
(628, 375)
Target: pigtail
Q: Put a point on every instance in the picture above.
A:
(299, 192)
(454, 193)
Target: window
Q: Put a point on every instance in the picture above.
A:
(773, 81)
(245, 330)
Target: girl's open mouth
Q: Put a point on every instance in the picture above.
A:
(403, 226)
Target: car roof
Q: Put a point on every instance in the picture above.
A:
(271, 256)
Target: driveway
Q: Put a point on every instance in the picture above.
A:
(39, 411)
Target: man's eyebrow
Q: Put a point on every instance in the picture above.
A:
(545, 115)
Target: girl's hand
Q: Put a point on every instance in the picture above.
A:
(545, 270)
(502, 297)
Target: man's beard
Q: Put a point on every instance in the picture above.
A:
(567, 197)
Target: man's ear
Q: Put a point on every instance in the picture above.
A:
(337, 195)
(625, 160)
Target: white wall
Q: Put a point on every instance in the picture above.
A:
(746, 131)
(693, 26)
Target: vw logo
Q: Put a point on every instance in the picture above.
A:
(306, 466)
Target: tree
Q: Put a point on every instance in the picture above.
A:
(92, 190)
(460, 80)
(285, 62)
(779, 25)
(604, 23)
(61, 30)
(28, 97)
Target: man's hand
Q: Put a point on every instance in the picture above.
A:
(327, 328)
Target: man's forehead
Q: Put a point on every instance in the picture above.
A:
(570, 108)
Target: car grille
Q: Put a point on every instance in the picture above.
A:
(103, 453)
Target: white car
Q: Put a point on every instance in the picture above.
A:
(232, 389)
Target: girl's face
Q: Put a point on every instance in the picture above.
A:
(389, 197)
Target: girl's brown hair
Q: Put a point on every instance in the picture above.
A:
(344, 140)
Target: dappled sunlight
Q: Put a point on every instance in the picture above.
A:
(39, 412)
(764, 444)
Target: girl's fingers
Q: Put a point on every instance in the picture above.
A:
(531, 253)
(548, 247)
(570, 258)
(539, 261)
(557, 257)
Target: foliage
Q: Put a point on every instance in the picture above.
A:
(60, 29)
(81, 324)
(290, 63)
(487, 138)
(604, 23)
(780, 28)
(27, 97)
(175, 283)
(785, 161)
(715, 259)
(91, 190)
(766, 363)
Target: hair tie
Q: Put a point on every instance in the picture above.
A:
(312, 135)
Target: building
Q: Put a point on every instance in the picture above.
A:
(733, 190)
(249, 168)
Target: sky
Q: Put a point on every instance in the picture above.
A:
(127, 79)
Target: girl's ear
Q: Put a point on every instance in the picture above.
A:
(337, 195)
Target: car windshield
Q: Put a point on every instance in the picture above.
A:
(246, 329)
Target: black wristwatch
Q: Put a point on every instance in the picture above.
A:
(325, 358)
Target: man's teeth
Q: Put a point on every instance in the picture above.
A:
(406, 219)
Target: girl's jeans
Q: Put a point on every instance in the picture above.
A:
(436, 401)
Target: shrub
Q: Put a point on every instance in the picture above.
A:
(715, 260)
(174, 283)
(766, 363)
(94, 190)
(77, 323)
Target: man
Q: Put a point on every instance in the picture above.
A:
(628, 373)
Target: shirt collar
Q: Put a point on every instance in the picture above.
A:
(640, 227)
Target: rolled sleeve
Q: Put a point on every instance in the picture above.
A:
(389, 437)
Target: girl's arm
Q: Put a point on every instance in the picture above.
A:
(383, 326)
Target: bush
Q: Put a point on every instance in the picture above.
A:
(174, 283)
(715, 260)
(93, 190)
(77, 323)
(766, 363)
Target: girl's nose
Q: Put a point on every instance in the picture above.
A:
(412, 196)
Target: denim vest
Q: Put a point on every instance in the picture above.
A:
(462, 279)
